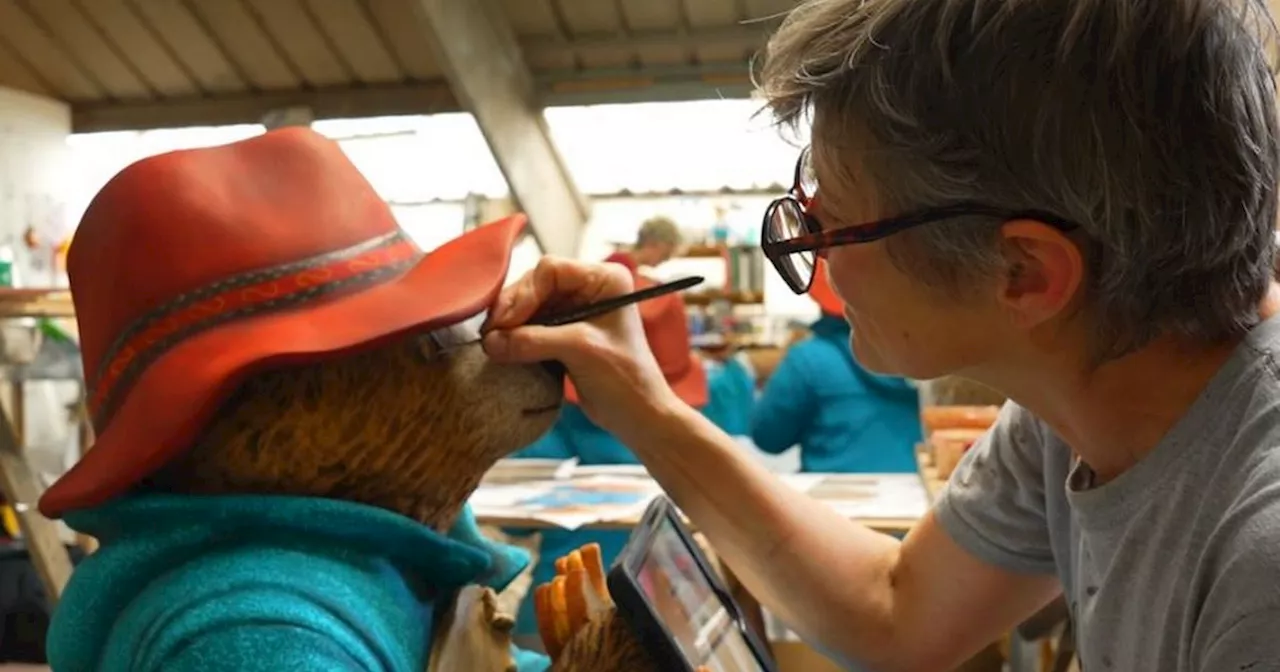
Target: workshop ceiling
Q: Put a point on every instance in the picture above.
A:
(133, 64)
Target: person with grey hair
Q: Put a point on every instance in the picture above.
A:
(656, 242)
(1069, 201)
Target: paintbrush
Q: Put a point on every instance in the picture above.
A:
(590, 310)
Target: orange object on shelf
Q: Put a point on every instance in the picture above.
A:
(949, 445)
(957, 417)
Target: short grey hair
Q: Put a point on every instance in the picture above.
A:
(1150, 123)
(658, 230)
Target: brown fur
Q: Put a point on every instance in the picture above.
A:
(404, 427)
(604, 644)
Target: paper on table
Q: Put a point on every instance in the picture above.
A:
(633, 470)
(802, 482)
(570, 503)
(873, 496)
(523, 470)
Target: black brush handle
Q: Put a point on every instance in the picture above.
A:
(608, 305)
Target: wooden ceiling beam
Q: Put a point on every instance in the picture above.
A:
(747, 37)
(484, 65)
(328, 103)
(554, 88)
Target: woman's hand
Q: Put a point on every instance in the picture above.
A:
(616, 376)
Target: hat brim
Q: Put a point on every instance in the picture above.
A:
(691, 386)
(179, 393)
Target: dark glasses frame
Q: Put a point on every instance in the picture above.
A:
(816, 239)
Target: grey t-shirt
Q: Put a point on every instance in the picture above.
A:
(1174, 566)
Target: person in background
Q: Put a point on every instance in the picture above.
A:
(731, 381)
(656, 242)
(666, 329)
(843, 417)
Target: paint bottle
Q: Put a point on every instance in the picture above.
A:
(6, 265)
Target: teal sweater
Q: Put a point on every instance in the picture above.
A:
(844, 418)
(262, 583)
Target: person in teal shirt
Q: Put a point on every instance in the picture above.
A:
(844, 418)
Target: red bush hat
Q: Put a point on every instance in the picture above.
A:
(822, 294)
(666, 327)
(192, 270)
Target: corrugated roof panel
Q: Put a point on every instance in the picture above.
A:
(411, 45)
(292, 28)
(531, 17)
(124, 29)
(704, 13)
(42, 53)
(191, 45)
(86, 44)
(247, 46)
(350, 30)
(650, 15)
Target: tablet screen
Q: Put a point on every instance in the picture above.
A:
(687, 605)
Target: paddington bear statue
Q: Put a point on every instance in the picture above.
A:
(291, 414)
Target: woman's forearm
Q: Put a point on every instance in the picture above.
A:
(826, 576)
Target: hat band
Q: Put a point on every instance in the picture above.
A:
(241, 296)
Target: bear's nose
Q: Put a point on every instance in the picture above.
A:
(555, 368)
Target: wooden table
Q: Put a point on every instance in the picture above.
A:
(752, 611)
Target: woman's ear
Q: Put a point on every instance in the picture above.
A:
(1044, 270)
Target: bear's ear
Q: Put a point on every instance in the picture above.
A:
(475, 634)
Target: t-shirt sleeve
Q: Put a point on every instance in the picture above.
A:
(993, 506)
(1248, 644)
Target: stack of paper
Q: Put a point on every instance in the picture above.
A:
(872, 496)
(521, 471)
(566, 494)
(566, 503)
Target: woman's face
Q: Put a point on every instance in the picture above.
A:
(900, 326)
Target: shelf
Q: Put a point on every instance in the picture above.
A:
(36, 303)
(710, 251)
(702, 252)
(738, 344)
(709, 296)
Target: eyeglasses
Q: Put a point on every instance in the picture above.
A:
(791, 236)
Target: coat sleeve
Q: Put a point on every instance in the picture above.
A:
(268, 626)
(782, 413)
(265, 647)
(260, 647)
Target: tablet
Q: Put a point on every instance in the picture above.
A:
(675, 603)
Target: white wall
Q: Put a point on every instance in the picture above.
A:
(33, 179)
